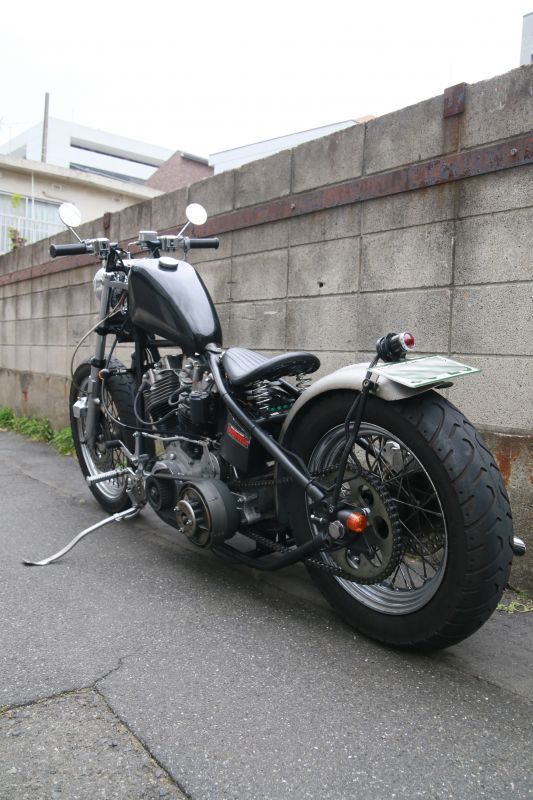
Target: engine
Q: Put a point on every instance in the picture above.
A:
(179, 400)
(162, 384)
(188, 483)
(178, 397)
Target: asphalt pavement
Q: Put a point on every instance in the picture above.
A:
(140, 667)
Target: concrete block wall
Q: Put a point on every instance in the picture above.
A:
(419, 220)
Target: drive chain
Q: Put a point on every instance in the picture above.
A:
(317, 563)
(266, 482)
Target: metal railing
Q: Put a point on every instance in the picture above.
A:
(30, 230)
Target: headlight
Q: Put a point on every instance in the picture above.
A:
(98, 283)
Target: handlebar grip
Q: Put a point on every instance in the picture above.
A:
(78, 249)
(198, 244)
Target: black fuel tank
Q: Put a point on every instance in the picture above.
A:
(173, 304)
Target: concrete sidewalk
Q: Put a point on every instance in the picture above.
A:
(138, 667)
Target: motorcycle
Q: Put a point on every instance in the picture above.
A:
(369, 476)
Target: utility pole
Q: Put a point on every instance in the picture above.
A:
(45, 127)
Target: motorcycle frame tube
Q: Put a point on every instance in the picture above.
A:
(315, 492)
(351, 377)
(273, 563)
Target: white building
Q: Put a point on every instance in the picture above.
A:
(96, 170)
(89, 150)
(31, 193)
(232, 159)
(526, 51)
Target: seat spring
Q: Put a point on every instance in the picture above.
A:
(303, 381)
(260, 395)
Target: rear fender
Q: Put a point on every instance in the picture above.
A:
(347, 378)
(350, 377)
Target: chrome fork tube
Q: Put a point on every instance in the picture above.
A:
(94, 393)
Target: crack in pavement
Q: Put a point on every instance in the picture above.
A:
(66, 692)
(120, 664)
(7, 711)
(118, 667)
(89, 752)
(142, 741)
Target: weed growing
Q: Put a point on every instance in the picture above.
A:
(63, 443)
(6, 419)
(38, 429)
(516, 601)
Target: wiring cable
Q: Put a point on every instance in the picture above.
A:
(91, 330)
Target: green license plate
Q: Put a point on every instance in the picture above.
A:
(424, 371)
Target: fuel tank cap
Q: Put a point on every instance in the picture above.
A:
(168, 263)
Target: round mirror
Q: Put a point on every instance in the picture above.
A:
(70, 215)
(196, 214)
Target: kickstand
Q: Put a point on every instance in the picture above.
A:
(127, 514)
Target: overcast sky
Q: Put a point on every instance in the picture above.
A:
(207, 76)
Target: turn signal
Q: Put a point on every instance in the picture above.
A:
(355, 522)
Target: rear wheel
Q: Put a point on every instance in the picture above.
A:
(439, 514)
(117, 400)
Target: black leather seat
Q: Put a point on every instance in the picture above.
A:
(246, 366)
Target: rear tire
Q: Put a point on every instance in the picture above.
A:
(455, 517)
(118, 397)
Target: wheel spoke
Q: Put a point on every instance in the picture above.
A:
(413, 537)
(97, 459)
(395, 574)
(420, 571)
(408, 583)
(419, 508)
(404, 471)
(411, 569)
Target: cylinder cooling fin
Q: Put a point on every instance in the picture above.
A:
(156, 397)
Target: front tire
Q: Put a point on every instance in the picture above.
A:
(117, 398)
(456, 525)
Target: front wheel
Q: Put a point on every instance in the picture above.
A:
(440, 514)
(117, 404)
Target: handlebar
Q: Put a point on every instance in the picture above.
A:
(78, 249)
(198, 244)
(100, 247)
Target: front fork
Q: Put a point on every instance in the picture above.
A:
(94, 388)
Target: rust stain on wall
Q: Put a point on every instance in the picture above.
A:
(508, 450)
(454, 100)
(513, 152)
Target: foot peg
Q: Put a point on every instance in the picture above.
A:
(127, 514)
(106, 476)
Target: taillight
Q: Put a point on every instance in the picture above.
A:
(407, 340)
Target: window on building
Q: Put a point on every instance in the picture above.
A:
(26, 219)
